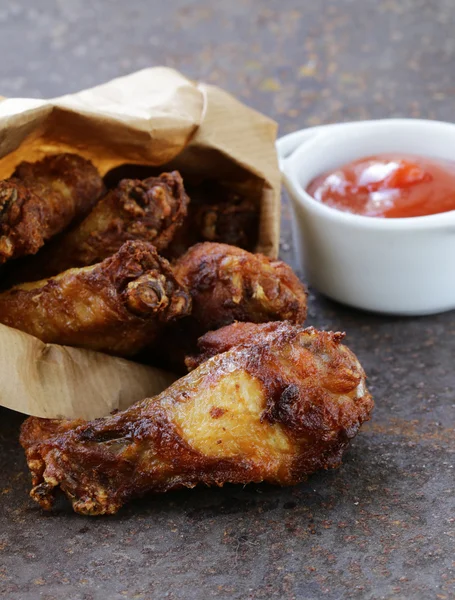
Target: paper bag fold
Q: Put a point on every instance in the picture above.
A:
(151, 117)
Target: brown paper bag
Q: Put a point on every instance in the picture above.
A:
(152, 117)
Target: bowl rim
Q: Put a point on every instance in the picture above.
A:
(292, 147)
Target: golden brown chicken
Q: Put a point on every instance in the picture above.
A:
(229, 284)
(149, 210)
(42, 199)
(222, 340)
(117, 306)
(282, 403)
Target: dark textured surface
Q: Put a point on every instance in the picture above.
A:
(382, 526)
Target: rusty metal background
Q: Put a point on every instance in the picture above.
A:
(382, 526)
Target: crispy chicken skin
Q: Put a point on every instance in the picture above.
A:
(230, 284)
(150, 210)
(222, 340)
(43, 198)
(117, 306)
(276, 407)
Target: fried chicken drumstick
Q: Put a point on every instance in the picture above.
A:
(43, 198)
(117, 306)
(229, 284)
(280, 404)
(150, 210)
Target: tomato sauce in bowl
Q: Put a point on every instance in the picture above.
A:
(389, 186)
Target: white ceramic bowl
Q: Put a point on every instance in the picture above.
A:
(397, 266)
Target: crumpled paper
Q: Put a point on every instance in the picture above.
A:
(153, 117)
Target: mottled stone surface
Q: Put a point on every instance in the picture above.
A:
(382, 526)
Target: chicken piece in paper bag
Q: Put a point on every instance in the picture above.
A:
(42, 199)
(118, 306)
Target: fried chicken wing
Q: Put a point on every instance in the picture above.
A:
(43, 198)
(229, 284)
(276, 408)
(149, 210)
(117, 306)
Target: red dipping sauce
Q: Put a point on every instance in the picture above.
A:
(389, 185)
